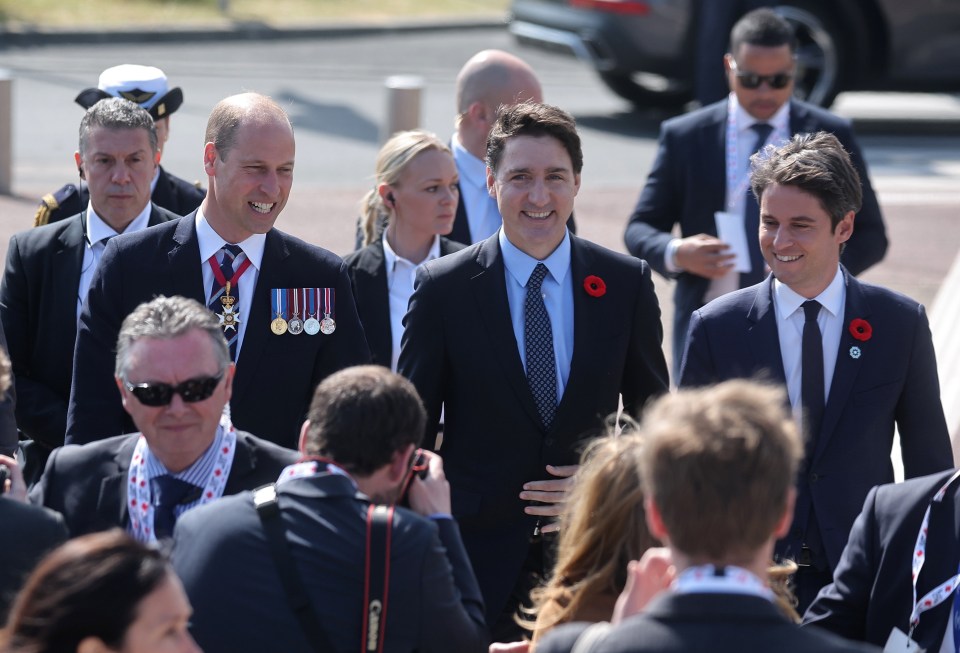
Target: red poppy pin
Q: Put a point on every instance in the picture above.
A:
(861, 329)
(594, 286)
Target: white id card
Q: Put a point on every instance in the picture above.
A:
(898, 642)
(730, 230)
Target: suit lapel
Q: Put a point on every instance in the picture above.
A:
(461, 227)
(66, 266)
(763, 336)
(847, 367)
(712, 150)
(489, 287)
(244, 462)
(186, 277)
(112, 502)
(371, 283)
(589, 322)
(155, 216)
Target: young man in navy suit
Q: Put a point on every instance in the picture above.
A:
(528, 340)
(856, 359)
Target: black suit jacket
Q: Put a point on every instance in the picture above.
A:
(28, 532)
(677, 623)
(88, 484)
(687, 185)
(276, 375)
(893, 381)
(368, 273)
(171, 193)
(871, 590)
(38, 306)
(221, 554)
(460, 351)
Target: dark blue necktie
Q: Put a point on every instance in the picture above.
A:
(228, 254)
(811, 376)
(751, 218)
(538, 345)
(166, 493)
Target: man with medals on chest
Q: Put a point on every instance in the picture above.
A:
(717, 466)
(175, 376)
(256, 279)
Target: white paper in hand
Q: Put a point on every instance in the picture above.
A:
(731, 231)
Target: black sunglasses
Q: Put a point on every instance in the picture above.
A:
(161, 394)
(753, 80)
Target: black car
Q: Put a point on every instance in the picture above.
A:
(645, 50)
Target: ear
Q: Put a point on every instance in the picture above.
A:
(477, 111)
(844, 228)
(79, 162)
(491, 183)
(655, 521)
(124, 396)
(727, 62)
(228, 380)
(400, 463)
(157, 155)
(384, 191)
(302, 443)
(783, 524)
(576, 184)
(210, 159)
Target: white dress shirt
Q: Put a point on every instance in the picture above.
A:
(790, 319)
(483, 215)
(96, 236)
(401, 273)
(210, 243)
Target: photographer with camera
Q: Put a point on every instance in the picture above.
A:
(323, 556)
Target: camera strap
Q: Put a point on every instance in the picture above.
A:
(376, 582)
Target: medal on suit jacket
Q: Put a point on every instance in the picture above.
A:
(279, 325)
(311, 325)
(230, 317)
(328, 325)
(139, 501)
(295, 324)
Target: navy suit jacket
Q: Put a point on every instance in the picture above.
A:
(368, 273)
(460, 351)
(276, 375)
(688, 184)
(677, 623)
(894, 380)
(871, 590)
(28, 533)
(221, 554)
(88, 484)
(38, 306)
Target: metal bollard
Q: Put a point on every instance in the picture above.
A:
(6, 132)
(403, 104)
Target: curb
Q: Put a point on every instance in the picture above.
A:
(38, 36)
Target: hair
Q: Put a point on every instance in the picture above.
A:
(361, 416)
(89, 587)
(232, 113)
(534, 119)
(602, 528)
(166, 318)
(719, 463)
(816, 164)
(402, 148)
(763, 27)
(117, 113)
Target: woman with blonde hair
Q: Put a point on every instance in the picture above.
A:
(403, 218)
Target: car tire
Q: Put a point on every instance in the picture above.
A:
(823, 54)
(643, 97)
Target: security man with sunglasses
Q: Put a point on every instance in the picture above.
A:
(699, 179)
(175, 377)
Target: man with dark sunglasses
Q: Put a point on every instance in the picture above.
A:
(175, 377)
(699, 179)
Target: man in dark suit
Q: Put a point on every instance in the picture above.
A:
(699, 178)
(148, 87)
(872, 587)
(856, 359)
(718, 494)
(49, 269)
(228, 256)
(175, 376)
(364, 426)
(528, 340)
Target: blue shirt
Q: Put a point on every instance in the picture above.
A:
(557, 289)
(198, 473)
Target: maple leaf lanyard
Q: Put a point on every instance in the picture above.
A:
(941, 592)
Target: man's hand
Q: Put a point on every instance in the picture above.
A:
(553, 493)
(430, 495)
(15, 487)
(704, 255)
(646, 578)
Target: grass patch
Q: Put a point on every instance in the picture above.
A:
(113, 13)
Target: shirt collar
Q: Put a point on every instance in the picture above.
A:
(97, 229)
(471, 169)
(211, 242)
(197, 473)
(780, 120)
(391, 258)
(788, 301)
(520, 264)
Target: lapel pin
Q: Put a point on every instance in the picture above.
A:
(854, 352)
